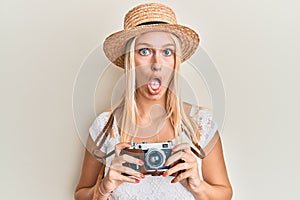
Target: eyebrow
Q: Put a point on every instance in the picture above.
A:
(149, 45)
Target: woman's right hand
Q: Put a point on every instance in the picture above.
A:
(114, 176)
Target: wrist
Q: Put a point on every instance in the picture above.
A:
(199, 192)
(103, 191)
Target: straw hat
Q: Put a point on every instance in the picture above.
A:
(145, 18)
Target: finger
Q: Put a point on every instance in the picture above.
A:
(122, 178)
(175, 157)
(117, 165)
(127, 158)
(131, 159)
(126, 170)
(181, 146)
(177, 168)
(187, 174)
(181, 155)
(130, 180)
(120, 146)
(188, 156)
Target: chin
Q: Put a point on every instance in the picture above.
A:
(153, 97)
(156, 97)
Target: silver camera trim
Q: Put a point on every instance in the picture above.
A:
(146, 146)
(157, 150)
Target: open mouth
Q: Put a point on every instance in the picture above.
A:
(154, 85)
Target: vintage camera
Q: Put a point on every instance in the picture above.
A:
(154, 156)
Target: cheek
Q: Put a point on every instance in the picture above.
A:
(142, 75)
(167, 75)
(141, 60)
(136, 60)
(170, 62)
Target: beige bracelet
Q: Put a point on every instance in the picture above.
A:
(101, 193)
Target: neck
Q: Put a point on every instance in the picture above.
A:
(150, 110)
(145, 105)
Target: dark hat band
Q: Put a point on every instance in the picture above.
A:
(153, 22)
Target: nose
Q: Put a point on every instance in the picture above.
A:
(155, 67)
(156, 61)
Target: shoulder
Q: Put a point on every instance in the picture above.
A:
(204, 120)
(203, 117)
(96, 132)
(98, 124)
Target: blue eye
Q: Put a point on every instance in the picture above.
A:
(144, 52)
(168, 52)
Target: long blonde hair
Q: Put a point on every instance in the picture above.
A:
(127, 108)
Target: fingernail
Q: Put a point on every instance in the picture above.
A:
(137, 180)
(141, 162)
(165, 174)
(173, 181)
(142, 175)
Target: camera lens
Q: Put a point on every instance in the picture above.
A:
(155, 158)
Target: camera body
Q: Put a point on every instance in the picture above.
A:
(154, 156)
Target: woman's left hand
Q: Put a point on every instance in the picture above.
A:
(190, 177)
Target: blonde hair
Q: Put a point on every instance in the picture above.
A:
(127, 108)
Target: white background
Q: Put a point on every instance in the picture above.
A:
(254, 44)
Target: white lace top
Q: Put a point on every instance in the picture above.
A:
(154, 187)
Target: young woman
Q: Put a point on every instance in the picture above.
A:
(150, 49)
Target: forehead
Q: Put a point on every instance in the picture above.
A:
(155, 39)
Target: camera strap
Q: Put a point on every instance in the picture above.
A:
(106, 130)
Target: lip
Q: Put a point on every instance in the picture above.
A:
(153, 90)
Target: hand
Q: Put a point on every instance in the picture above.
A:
(190, 178)
(114, 176)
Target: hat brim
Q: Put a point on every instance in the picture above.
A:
(114, 45)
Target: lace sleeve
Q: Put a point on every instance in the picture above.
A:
(208, 128)
(97, 126)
